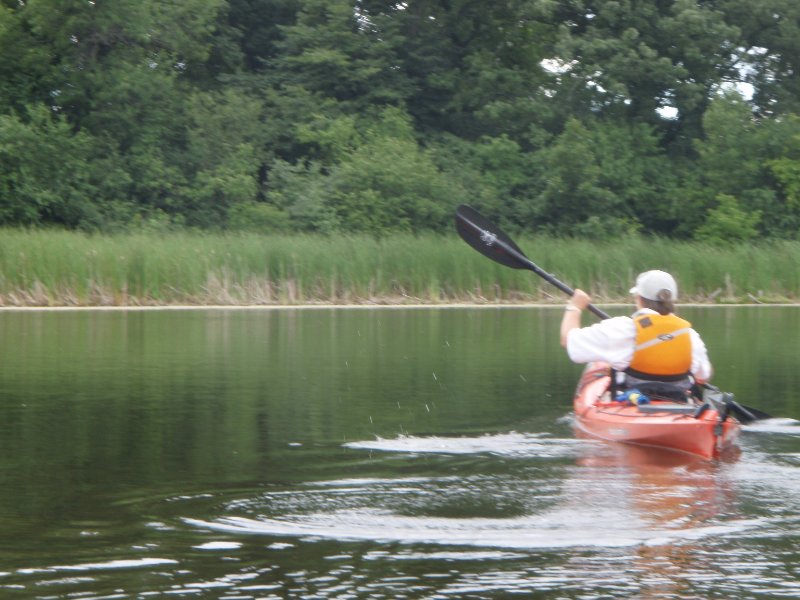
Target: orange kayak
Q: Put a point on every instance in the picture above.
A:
(701, 428)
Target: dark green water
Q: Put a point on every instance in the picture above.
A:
(389, 453)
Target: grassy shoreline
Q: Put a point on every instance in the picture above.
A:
(47, 268)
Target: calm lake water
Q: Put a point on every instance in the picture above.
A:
(386, 453)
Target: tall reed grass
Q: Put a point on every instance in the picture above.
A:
(49, 268)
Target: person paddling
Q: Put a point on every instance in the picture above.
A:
(654, 350)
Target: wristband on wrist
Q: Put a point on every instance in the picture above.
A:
(572, 307)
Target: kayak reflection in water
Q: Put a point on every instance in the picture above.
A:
(653, 351)
(676, 504)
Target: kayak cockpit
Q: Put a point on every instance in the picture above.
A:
(701, 426)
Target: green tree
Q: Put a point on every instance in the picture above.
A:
(613, 174)
(494, 174)
(25, 64)
(595, 117)
(44, 171)
(333, 49)
(634, 60)
(258, 217)
(473, 67)
(388, 183)
(749, 158)
(384, 182)
(302, 191)
(786, 171)
(770, 56)
(224, 155)
(114, 71)
(727, 223)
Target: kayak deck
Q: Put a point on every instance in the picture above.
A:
(665, 424)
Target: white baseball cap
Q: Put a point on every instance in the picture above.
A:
(650, 283)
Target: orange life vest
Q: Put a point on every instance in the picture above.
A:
(663, 348)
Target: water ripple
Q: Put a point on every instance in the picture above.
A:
(779, 426)
(561, 529)
(513, 444)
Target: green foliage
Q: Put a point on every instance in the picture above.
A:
(614, 172)
(494, 174)
(771, 30)
(224, 148)
(573, 189)
(44, 170)
(632, 59)
(213, 191)
(302, 192)
(787, 172)
(785, 168)
(221, 122)
(389, 184)
(375, 117)
(473, 67)
(727, 223)
(384, 182)
(605, 228)
(751, 159)
(332, 50)
(334, 138)
(258, 218)
(734, 146)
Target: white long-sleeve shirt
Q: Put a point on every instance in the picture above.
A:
(613, 341)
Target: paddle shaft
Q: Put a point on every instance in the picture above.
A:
(549, 278)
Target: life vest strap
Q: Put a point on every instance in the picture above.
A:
(651, 377)
(666, 337)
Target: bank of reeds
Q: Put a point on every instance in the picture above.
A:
(58, 268)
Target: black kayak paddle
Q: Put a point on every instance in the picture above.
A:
(488, 239)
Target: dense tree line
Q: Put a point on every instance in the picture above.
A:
(589, 117)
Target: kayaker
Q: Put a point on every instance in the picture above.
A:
(651, 350)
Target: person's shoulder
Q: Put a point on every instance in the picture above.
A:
(616, 323)
(621, 320)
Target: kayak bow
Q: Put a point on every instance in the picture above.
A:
(703, 427)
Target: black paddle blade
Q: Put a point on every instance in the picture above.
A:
(723, 401)
(747, 414)
(488, 239)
